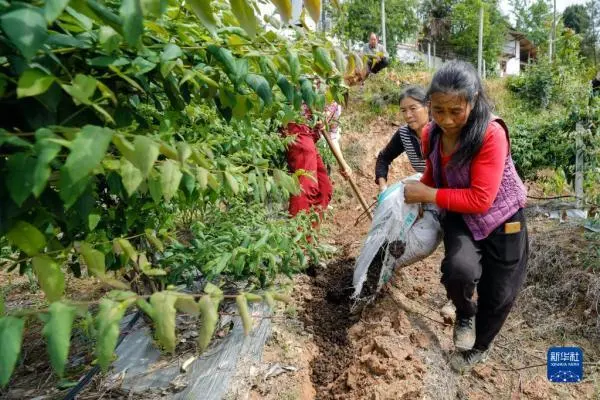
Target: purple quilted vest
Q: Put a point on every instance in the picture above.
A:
(511, 196)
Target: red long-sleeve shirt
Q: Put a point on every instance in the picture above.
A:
(487, 168)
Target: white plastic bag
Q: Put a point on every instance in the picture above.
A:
(398, 236)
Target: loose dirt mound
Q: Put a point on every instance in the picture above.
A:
(373, 357)
(330, 319)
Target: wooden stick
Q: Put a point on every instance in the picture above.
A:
(338, 157)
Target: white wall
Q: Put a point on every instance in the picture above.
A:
(513, 65)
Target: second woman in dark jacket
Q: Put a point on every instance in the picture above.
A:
(413, 106)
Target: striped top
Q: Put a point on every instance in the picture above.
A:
(404, 140)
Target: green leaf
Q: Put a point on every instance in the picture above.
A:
(124, 246)
(187, 304)
(99, 12)
(11, 337)
(94, 259)
(27, 238)
(105, 61)
(204, 12)
(154, 240)
(133, 21)
(93, 221)
(232, 182)
(33, 82)
(147, 269)
(126, 78)
(171, 52)
(169, 179)
(294, 63)
(53, 9)
(82, 89)
(163, 304)
(26, 29)
(285, 8)
(184, 151)
(262, 88)
(12, 140)
(85, 22)
(69, 191)
(130, 176)
(109, 39)
(50, 277)
(221, 263)
(145, 154)
(208, 324)
(19, 179)
(241, 106)
(314, 9)
(242, 305)
(154, 7)
(107, 329)
(60, 40)
(235, 69)
(286, 88)
(340, 60)
(57, 331)
(244, 13)
(124, 146)
(322, 59)
(202, 177)
(308, 95)
(87, 151)
(155, 188)
(46, 151)
(142, 66)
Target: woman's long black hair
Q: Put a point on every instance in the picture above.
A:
(461, 78)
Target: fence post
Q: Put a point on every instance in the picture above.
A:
(579, 130)
(429, 55)
(480, 43)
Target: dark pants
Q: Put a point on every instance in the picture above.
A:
(374, 66)
(495, 266)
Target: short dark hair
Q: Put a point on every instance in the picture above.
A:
(461, 78)
(416, 93)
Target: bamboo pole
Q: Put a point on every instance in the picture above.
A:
(339, 158)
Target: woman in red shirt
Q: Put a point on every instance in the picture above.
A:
(470, 174)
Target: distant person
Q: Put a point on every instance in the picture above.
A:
(302, 154)
(470, 174)
(377, 55)
(407, 139)
(596, 84)
(332, 114)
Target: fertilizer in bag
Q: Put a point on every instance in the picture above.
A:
(397, 238)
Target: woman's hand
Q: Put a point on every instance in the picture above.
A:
(382, 185)
(319, 127)
(417, 192)
(346, 171)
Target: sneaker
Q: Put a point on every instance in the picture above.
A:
(464, 333)
(463, 361)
